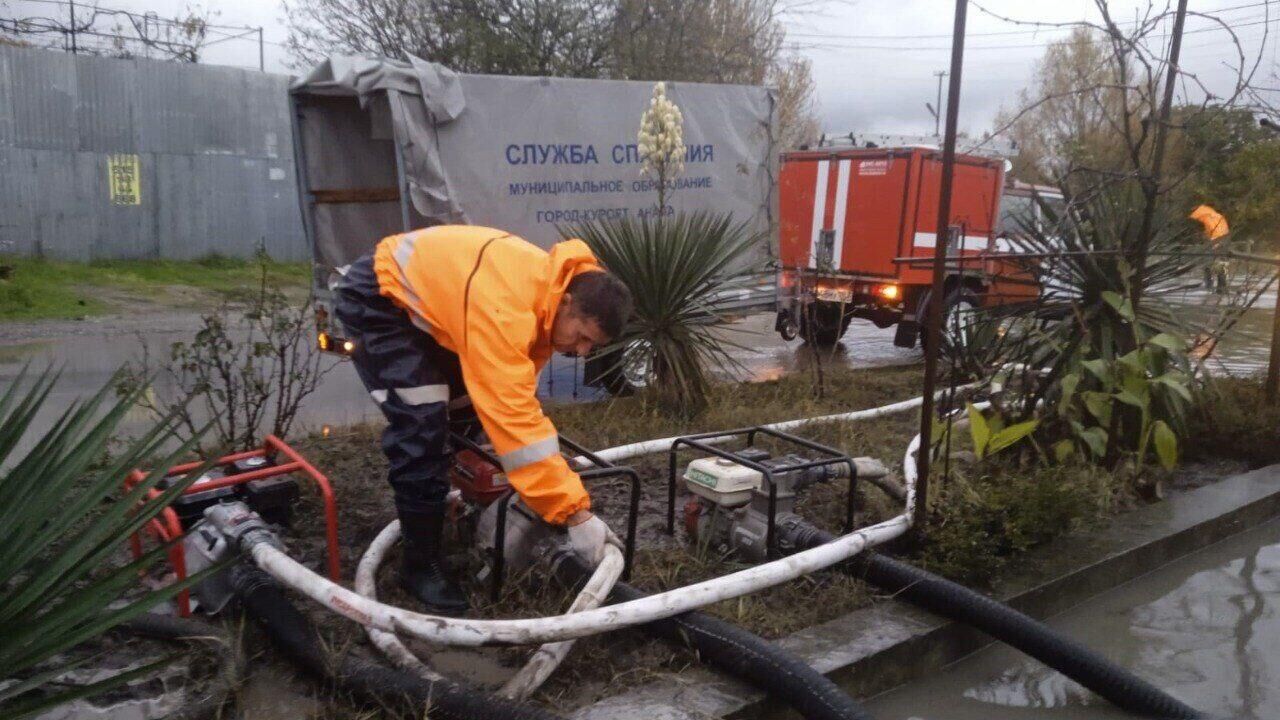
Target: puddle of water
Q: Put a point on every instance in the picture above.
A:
(1206, 629)
(269, 693)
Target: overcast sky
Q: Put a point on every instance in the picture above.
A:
(873, 60)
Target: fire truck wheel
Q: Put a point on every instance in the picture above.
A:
(787, 327)
(823, 323)
(623, 371)
(956, 315)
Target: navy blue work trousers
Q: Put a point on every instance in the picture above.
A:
(412, 378)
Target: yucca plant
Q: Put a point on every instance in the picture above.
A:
(681, 270)
(64, 519)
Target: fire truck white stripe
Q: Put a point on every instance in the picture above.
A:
(971, 242)
(819, 210)
(842, 204)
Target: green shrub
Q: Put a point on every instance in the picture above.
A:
(987, 514)
(1231, 419)
(679, 271)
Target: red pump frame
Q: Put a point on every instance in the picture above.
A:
(166, 527)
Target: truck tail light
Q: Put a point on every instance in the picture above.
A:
(329, 343)
(889, 292)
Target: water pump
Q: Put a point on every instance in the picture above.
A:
(743, 501)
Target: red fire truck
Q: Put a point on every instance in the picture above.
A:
(857, 232)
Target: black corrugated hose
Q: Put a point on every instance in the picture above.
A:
(956, 602)
(739, 653)
(294, 634)
(206, 701)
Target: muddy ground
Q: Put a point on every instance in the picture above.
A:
(601, 666)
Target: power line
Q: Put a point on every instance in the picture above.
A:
(1025, 46)
(148, 17)
(193, 35)
(1047, 28)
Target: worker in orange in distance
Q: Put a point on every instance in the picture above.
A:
(1214, 223)
(461, 319)
(1215, 229)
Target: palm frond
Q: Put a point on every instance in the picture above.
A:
(64, 518)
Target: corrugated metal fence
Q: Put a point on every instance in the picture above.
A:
(103, 158)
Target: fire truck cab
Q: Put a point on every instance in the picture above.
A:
(857, 233)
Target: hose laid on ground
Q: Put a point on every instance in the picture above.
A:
(740, 653)
(536, 631)
(955, 602)
(649, 447)
(548, 657)
(366, 583)
(215, 695)
(461, 631)
(540, 665)
(289, 629)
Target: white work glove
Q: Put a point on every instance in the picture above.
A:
(589, 537)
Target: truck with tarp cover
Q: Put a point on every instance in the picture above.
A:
(386, 146)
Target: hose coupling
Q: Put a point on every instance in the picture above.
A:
(242, 527)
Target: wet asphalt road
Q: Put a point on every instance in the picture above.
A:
(88, 353)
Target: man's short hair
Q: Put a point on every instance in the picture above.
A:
(602, 297)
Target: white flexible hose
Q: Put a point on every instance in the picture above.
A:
(468, 632)
(541, 664)
(547, 658)
(648, 447)
(367, 585)
(910, 466)
(531, 631)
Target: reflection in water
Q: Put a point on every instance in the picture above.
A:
(1205, 628)
(1031, 685)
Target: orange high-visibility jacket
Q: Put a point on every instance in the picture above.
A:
(491, 297)
(1214, 222)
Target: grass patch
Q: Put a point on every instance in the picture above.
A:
(40, 289)
(1231, 419)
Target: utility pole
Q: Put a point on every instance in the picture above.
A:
(1273, 361)
(262, 62)
(1151, 185)
(933, 310)
(73, 27)
(937, 108)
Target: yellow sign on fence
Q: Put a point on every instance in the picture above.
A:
(123, 173)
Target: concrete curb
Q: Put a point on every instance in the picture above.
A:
(878, 648)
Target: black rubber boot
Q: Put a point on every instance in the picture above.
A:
(422, 572)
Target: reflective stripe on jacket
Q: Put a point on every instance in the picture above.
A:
(491, 297)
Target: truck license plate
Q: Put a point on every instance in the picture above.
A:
(839, 295)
